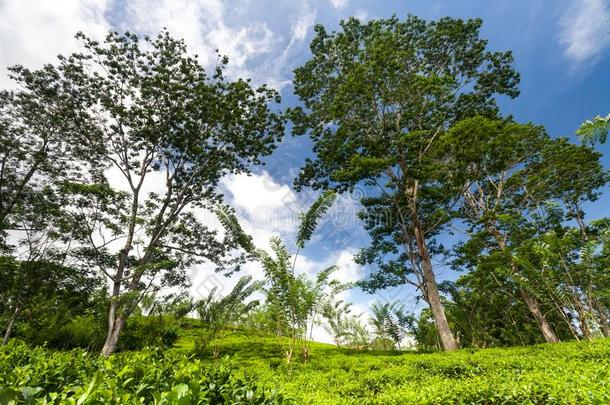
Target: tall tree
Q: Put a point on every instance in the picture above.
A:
(164, 131)
(39, 143)
(376, 98)
(510, 173)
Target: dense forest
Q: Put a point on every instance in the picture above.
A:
(110, 156)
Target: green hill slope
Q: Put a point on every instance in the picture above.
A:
(253, 371)
(573, 372)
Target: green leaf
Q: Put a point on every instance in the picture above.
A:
(310, 219)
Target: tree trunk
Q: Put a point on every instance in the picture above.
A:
(432, 295)
(582, 318)
(438, 311)
(534, 307)
(11, 324)
(604, 322)
(530, 300)
(429, 281)
(113, 336)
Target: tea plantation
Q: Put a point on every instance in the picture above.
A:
(253, 371)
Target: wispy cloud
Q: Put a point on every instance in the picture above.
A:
(585, 30)
(204, 27)
(339, 4)
(254, 49)
(302, 24)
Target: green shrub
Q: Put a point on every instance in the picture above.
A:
(85, 332)
(154, 331)
(382, 343)
(564, 373)
(40, 375)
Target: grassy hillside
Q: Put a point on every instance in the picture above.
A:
(253, 371)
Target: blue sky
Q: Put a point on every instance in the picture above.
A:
(561, 49)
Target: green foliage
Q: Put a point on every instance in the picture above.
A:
(42, 297)
(260, 321)
(520, 191)
(177, 306)
(310, 219)
(232, 226)
(40, 145)
(380, 343)
(347, 330)
(390, 321)
(295, 300)
(567, 373)
(376, 98)
(83, 331)
(563, 373)
(217, 314)
(152, 331)
(594, 131)
(29, 376)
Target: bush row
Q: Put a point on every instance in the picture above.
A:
(43, 376)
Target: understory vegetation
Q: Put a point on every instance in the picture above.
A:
(253, 370)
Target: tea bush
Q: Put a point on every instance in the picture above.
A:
(564, 373)
(42, 376)
(141, 331)
(254, 371)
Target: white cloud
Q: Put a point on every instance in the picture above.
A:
(278, 70)
(258, 190)
(265, 207)
(339, 4)
(349, 271)
(35, 32)
(585, 30)
(203, 26)
(302, 24)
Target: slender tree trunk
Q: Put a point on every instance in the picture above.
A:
(11, 324)
(530, 300)
(431, 289)
(115, 323)
(432, 295)
(113, 336)
(534, 307)
(604, 322)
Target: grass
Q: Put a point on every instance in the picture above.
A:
(253, 370)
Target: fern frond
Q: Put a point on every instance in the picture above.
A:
(310, 219)
(231, 224)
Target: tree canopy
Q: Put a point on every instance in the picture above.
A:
(376, 98)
